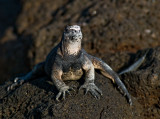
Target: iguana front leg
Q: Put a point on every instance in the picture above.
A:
(89, 79)
(58, 82)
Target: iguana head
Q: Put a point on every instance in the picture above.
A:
(72, 34)
(71, 40)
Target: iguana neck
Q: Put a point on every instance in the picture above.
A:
(70, 48)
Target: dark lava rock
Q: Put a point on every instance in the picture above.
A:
(36, 99)
(144, 84)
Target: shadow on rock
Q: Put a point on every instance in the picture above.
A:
(14, 56)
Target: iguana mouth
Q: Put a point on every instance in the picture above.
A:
(74, 38)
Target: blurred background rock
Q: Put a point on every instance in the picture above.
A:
(29, 29)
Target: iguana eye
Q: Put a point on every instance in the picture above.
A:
(67, 31)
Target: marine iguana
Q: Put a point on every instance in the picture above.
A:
(68, 61)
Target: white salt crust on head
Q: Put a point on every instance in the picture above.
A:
(75, 27)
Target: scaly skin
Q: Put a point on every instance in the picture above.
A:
(68, 61)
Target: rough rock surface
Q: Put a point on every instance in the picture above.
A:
(36, 99)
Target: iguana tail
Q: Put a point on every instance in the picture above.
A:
(135, 66)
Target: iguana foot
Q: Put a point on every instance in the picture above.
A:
(63, 91)
(18, 81)
(93, 89)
